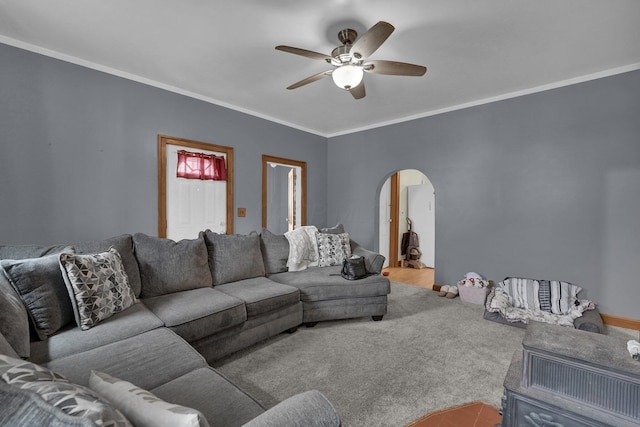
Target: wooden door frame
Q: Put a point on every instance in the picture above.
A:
(163, 141)
(394, 213)
(266, 159)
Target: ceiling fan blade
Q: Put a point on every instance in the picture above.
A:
(394, 68)
(310, 79)
(370, 41)
(304, 52)
(358, 92)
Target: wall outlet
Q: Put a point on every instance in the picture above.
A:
(242, 212)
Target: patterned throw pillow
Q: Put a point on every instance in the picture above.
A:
(58, 392)
(98, 286)
(333, 249)
(142, 407)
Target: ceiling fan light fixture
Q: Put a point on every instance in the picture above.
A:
(347, 76)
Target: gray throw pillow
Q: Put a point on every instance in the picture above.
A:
(167, 266)
(39, 283)
(124, 245)
(275, 251)
(336, 229)
(234, 257)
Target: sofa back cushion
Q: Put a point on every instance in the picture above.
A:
(167, 266)
(275, 251)
(14, 320)
(124, 245)
(39, 283)
(234, 257)
(6, 348)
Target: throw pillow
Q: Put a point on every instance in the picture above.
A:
(57, 391)
(234, 257)
(336, 229)
(523, 293)
(98, 286)
(563, 296)
(124, 245)
(333, 249)
(167, 266)
(39, 283)
(303, 248)
(275, 251)
(142, 407)
(23, 407)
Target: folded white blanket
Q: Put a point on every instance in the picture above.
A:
(303, 248)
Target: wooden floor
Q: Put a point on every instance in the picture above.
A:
(474, 414)
(422, 277)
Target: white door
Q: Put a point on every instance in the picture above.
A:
(421, 209)
(193, 205)
(384, 220)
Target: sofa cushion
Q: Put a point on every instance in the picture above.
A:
(333, 249)
(14, 320)
(261, 295)
(275, 251)
(57, 391)
(167, 266)
(197, 313)
(147, 360)
(71, 339)
(142, 407)
(30, 251)
(39, 283)
(98, 286)
(5, 347)
(230, 406)
(124, 245)
(234, 257)
(325, 283)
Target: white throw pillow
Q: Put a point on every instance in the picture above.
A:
(142, 407)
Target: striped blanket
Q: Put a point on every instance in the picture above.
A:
(549, 301)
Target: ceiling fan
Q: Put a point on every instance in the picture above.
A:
(349, 59)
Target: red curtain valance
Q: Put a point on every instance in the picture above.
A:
(201, 166)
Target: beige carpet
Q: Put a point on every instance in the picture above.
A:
(427, 353)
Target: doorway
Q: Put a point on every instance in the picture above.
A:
(407, 194)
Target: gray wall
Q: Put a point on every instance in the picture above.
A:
(79, 151)
(543, 186)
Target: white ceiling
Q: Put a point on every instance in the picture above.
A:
(223, 51)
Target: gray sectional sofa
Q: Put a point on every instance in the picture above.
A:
(171, 309)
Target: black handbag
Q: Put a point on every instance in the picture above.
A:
(354, 268)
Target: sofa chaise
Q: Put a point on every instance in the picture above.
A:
(168, 309)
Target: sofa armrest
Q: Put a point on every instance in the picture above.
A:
(309, 409)
(373, 260)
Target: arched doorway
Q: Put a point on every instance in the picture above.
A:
(407, 194)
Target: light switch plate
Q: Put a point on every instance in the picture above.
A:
(242, 212)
